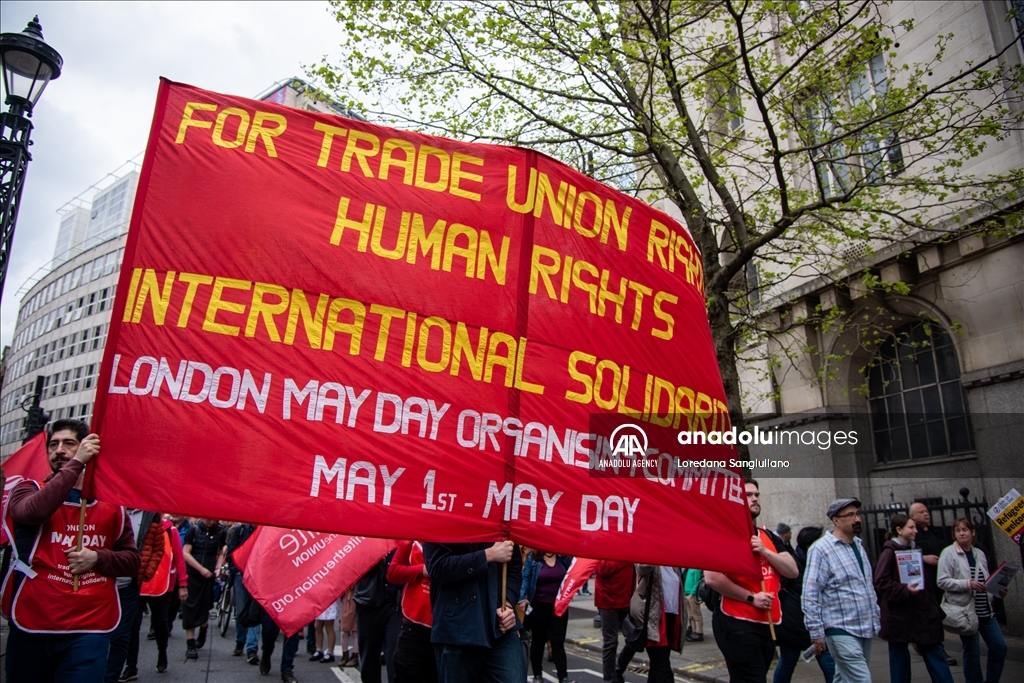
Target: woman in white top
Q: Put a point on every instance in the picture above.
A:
(963, 570)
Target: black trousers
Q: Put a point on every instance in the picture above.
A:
(659, 655)
(747, 647)
(173, 607)
(128, 596)
(377, 630)
(158, 617)
(414, 655)
(545, 627)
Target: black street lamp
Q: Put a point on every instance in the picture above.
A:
(28, 65)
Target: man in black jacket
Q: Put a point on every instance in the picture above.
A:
(930, 542)
(475, 633)
(378, 620)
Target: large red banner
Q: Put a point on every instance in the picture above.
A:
(332, 325)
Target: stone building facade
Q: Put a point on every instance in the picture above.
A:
(930, 374)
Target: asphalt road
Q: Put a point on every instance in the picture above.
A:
(216, 665)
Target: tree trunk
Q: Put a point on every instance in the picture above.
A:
(723, 332)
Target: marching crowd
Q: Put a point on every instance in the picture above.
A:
(431, 612)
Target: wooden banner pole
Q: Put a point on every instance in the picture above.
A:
(78, 544)
(771, 626)
(504, 584)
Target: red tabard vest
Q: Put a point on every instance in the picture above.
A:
(746, 611)
(46, 603)
(161, 581)
(416, 596)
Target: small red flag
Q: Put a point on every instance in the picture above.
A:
(577, 576)
(28, 462)
(295, 575)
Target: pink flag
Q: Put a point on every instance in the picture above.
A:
(28, 462)
(579, 571)
(297, 574)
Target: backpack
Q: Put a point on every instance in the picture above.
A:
(251, 614)
(708, 595)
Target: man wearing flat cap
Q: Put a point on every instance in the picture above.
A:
(840, 607)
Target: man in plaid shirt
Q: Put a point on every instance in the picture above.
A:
(840, 607)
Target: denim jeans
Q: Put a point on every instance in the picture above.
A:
(252, 638)
(311, 637)
(241, 632)
(121, 636)
(269, 636)
(61, 658)
(852, 656)
(789, 657)
(502, 663)
(934, 661)
(988, 628)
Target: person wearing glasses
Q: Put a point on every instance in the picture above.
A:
(839, 602)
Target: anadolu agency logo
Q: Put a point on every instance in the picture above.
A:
(629, 441)
(629, 449)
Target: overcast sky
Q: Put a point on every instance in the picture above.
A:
(96, 116)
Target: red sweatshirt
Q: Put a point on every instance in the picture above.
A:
(32, 507)
(407, 568)
(613, 585)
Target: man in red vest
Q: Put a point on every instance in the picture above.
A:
(58, 634)
(741, 621)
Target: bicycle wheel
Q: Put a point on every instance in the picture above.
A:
(226, 609)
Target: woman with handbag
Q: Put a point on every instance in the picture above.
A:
(909, 614)
(656, 619)
(963, 570)
(542, 575)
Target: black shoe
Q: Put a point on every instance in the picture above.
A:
(316, 656)
(151, 635)
(288, 677)
(201, 640)
(192, 652)
(161, 662)
(950, 661)
(252, 658)
(695, 638)
(328, 658)
(265, 663)
(239, 649)
(129, 675)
